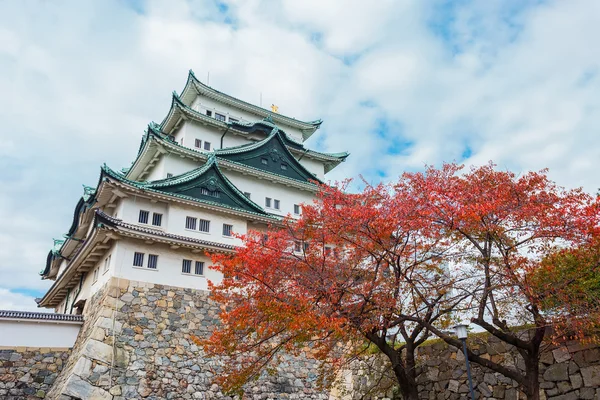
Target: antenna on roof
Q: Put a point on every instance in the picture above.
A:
(208, 78)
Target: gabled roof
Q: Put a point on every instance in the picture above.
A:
(194, 87)
(270, 154)
(206, 184)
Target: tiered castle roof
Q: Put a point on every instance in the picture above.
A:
(206, 186)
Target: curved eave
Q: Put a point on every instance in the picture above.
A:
(202, 157)
(72, 273)
(137, 187)
(193, 84)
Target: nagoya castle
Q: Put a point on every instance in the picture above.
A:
(130, 277)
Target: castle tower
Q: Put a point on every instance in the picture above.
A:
(214, 166)
(134, 261)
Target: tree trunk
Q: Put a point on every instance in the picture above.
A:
(532, 379)
(408, 386)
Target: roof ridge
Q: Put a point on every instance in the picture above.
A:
(40, 316)
(315, 123)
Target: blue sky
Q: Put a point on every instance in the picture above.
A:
(399, 84)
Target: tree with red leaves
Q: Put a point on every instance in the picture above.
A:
(531, 250)
(391, 265)
(336, 283)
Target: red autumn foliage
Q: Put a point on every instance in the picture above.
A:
(393, 263)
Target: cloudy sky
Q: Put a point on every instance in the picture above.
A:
(399, 84)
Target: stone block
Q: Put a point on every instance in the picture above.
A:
(453, 386)
(566, 396)
(83, 367)
(547, 358)
(80, 389)
(587, 393)
(576, 381)
(561, 354)
(557, 372)
(96, 350)
(591, 376)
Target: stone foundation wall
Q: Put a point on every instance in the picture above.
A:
(28, 373)
(570, 372)
(136, 343)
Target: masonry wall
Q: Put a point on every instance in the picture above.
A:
(136, 343)
(570, 372)
(29, 372)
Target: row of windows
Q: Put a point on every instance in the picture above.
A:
(203, 225)
(265, 161)
(198, 144)
(221, 117)
(276, 204)
(186, 266)
(144, 216)
(138, 260)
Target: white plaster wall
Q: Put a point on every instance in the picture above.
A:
(201, 104)
(177, 218)
(37, 334)
(157, 172)
(174, 164)
(130, 207)
(314, 166)
(259, 189)
(168, 271)
(195, 130)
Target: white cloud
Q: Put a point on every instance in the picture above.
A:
(516, 82)
(18, 302)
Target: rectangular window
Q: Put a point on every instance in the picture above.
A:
(267, 202)
(328, 251)
(284, 167)
(186, 266)
(276, 204)
(156, 219)
(204, 225)
(305, 245)
(190, 223)
(227, 229)
(138, 259)
(169, 175)
(95, 278)
(247, 194)
(297, 209)
(232, 120)
(143, 218)
(209, 113)
(206, 146)
(264, 161)
(219, 117)
(198, 143)
(199, 270)
(297, 246)
(152, 261)
(106, 263)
